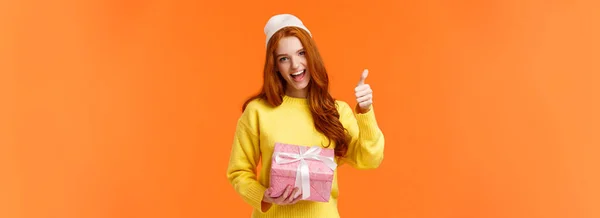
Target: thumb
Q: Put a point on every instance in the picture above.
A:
(269, 192)
(363, 77)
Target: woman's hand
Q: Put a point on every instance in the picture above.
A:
(286, 198)
(364, 94)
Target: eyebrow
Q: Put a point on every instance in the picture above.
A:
(286, 54)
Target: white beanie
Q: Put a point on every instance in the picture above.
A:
(280, 21)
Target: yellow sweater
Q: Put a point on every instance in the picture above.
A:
(261, 125)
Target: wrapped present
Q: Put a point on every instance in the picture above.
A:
(308, 168)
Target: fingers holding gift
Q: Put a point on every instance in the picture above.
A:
(289, 196)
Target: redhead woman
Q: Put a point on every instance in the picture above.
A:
(294, 106)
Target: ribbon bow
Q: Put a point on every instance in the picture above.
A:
(302, 173)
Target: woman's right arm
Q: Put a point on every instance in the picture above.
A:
(244, 157)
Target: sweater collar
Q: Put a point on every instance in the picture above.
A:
(294, 100)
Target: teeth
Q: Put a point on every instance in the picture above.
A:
(298, 73)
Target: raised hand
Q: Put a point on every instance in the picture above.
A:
(364, 94)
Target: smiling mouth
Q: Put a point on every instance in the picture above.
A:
(299, 73)
(298, 76)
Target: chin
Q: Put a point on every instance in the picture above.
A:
(302, 86)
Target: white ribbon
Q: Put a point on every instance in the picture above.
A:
(302, 173)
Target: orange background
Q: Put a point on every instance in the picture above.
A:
(116, 108)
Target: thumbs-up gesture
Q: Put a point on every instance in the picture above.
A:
(364, 94)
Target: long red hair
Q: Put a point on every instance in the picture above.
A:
(321, 103)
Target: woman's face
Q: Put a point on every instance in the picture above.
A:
(290, 61)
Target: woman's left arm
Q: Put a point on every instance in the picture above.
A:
(366, 145)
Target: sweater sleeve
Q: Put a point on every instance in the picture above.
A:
(243, 160)
(366, 145)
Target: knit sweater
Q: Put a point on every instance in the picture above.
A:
(260, 126)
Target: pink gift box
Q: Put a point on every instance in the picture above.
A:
(302, 166)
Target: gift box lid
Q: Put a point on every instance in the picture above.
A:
(317, 169)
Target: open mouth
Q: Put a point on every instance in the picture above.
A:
(298, 76)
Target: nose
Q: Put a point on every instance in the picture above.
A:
(295, 63)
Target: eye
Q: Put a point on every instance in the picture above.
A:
(302, 53)
(282, 59)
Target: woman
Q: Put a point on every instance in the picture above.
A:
(295, 107)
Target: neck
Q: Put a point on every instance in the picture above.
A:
(296, 93)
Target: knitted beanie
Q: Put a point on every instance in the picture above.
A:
(280, 21)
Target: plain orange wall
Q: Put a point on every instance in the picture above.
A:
(116, 108)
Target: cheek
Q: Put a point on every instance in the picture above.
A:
(282, 68)
(303, 60)
(279, 71)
